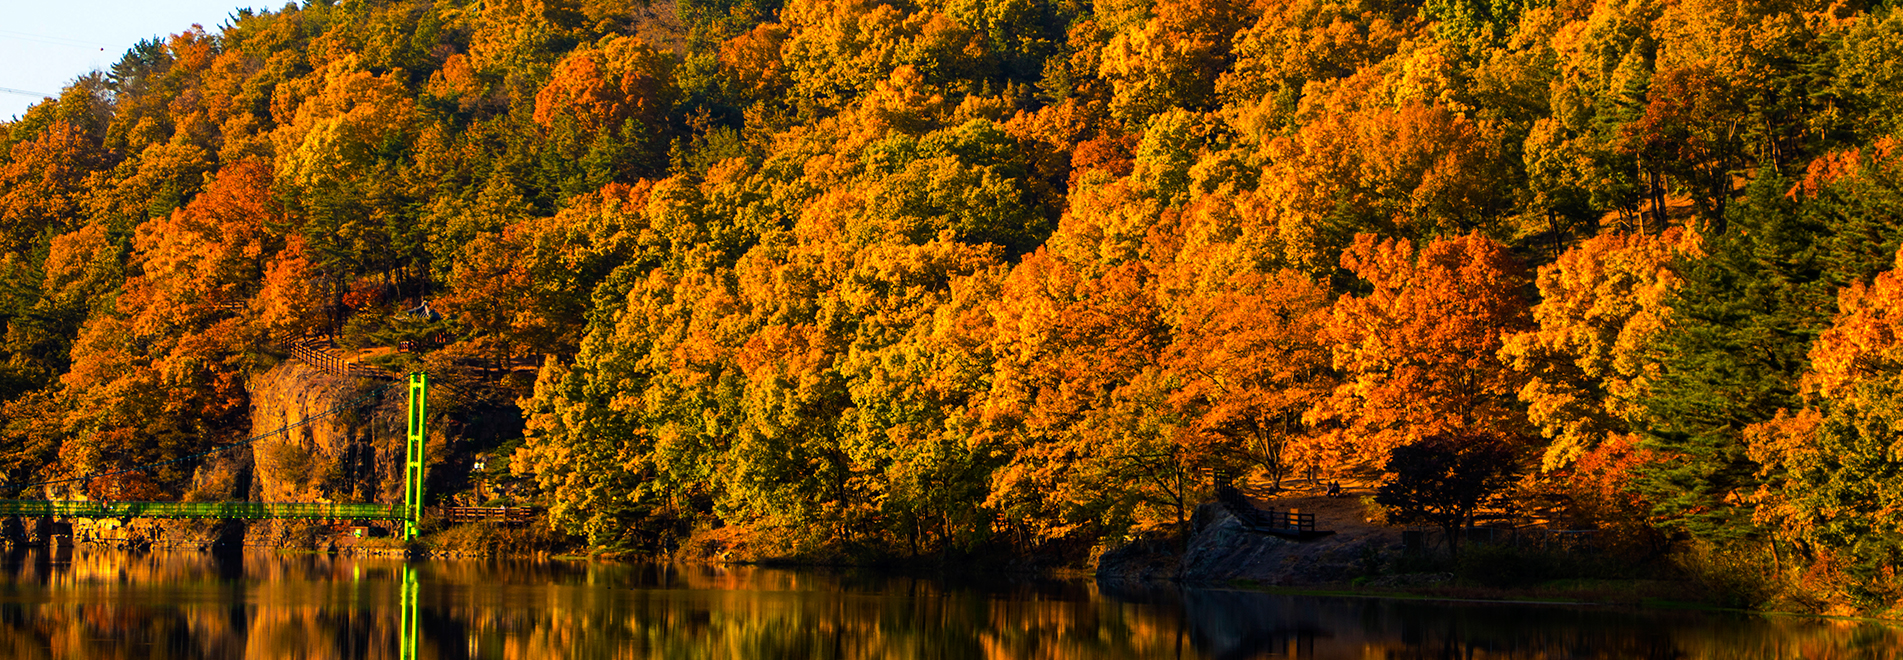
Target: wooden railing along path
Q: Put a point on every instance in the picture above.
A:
(1289, 524)
(513, 514)
(315, 350)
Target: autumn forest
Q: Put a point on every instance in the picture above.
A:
(904, 278)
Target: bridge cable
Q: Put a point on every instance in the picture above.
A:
(347, 405)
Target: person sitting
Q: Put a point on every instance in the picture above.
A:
(1334, 489)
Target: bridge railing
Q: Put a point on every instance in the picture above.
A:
(97, 509)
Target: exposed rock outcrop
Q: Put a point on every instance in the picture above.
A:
(1221, 550)
(353, 455)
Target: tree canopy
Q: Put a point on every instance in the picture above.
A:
(882, 278)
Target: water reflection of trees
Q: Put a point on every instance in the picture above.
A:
(96, 604)
(101, 604)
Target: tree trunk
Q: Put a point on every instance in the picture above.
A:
(1453, 541)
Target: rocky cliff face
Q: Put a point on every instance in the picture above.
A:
(353, 455)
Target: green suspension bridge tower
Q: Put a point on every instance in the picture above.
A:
(413, 461)
(409, 513)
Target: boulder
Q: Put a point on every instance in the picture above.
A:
(1222, 551)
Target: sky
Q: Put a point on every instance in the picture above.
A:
(45, 44)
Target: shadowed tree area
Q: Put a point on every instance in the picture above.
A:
(1441, 480)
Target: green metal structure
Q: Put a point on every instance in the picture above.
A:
(202, 510)
(412, 619)
(414, 462)
(410, 512)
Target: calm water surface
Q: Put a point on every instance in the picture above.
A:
(84, 603)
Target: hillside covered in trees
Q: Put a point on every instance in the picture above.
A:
(952, 277)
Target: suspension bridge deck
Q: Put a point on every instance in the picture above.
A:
(95, 509)
(410, 512)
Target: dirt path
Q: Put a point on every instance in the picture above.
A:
(1347, 515)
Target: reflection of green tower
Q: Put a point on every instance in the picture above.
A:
(413, 466)
(406, 646)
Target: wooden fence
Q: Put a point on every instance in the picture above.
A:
(315, 351)
(508, 514)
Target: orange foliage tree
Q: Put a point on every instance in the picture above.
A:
(1830, 483)
(1419, 351)
(1078, 405)
(1585, 362)
(530, 283)
(1865, 339)
(162, 371)
(1249, 362)
(603, 86)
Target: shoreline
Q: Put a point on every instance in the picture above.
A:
(1528, 596)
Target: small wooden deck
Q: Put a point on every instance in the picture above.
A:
(1285, 524)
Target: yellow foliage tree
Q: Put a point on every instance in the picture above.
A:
(1586, 365)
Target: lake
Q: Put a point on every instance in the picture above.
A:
(97, 603)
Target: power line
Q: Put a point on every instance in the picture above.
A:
(23, 92)
(57, 41)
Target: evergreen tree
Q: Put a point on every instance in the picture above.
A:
(1731, 357)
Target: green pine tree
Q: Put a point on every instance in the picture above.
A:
(1732, 357)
